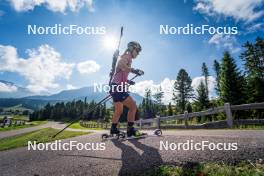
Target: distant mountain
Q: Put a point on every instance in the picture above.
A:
(25, 97)
(79, 94)
(67, 95)
(26, 103)
(10, 90)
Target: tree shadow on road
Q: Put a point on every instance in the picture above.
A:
(134, 162)
(89, 156)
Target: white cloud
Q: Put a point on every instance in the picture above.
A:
(24, 5)
(228, 42)
(167, 87)
(88, 67)
(7, 88)
(42, 67)
(255, 27)
(71, 87)
(211, 84)
(53, 5)
(240, 10)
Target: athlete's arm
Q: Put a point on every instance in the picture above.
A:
(123, 65)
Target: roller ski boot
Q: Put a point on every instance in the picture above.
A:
(133, 133)
(114, 134)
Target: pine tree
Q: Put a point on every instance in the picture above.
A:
(205, 73)
(47, 111)
(231, 81)
(104, 111)
(149, 105)
(170, 110)
(158, 96)
(253, 58)
(202, 100)
(183, 90)
(159, 107)
(189, 107)
(217, 69)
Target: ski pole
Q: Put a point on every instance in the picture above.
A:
(108, 97)
(76, 120)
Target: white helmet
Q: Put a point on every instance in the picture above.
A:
(134, 45)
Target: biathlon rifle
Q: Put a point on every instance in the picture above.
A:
(115, 57)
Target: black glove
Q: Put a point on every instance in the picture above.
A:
(130, 82)
(137, 72)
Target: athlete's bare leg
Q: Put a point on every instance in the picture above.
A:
(131, 105)
(118, 112)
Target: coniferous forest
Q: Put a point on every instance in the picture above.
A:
(233, 84)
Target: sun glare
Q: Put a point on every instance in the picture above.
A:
(110, 42)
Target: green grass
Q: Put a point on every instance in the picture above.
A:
(78, 126)
(20, 117)
(210, 169)
(28, 124)
(249, 127)
(17, 107)
(16, 117)
(40, 136)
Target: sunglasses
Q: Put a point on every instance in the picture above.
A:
(138, 50)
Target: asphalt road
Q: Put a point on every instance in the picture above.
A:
(56, 125)
(25, 130)
(133, 156)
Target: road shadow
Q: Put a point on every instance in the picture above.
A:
(89, 156)
(137, 159)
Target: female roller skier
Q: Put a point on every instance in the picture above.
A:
(122, 98)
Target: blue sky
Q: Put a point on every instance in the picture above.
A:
(162, 55)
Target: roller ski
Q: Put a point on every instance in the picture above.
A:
(114, 134)
(133, 133)
(130, 134)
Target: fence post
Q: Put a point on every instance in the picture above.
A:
(186, 119)
(158, 122)
(229, 118)
(140, 123)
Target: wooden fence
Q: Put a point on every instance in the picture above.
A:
(227, 109)
(94, 125)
